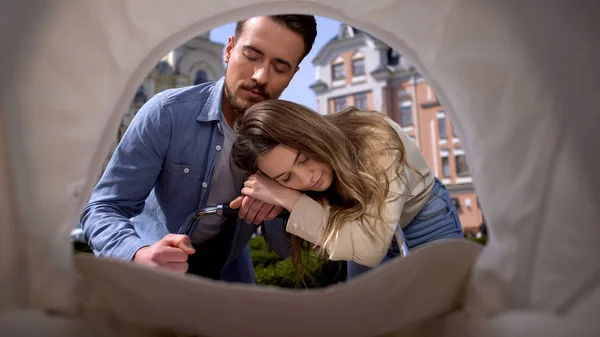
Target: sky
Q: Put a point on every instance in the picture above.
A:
(298, 90)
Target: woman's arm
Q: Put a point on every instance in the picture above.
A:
(308, 218)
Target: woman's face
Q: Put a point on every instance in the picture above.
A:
(293, 169)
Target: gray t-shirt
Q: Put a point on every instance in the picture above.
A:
(223, 190)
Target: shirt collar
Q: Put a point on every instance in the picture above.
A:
(213, 108)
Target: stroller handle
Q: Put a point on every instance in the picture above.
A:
(221, 210)
(226, 211)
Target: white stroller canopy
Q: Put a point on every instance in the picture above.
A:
(519, 78)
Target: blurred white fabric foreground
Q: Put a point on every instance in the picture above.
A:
(519, 78)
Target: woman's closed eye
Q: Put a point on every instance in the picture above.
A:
(303, 159)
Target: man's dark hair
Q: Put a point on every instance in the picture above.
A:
(304, 25)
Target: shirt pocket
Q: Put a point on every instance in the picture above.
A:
(184, 170)
(434, 219)
(179, 189)
(434, 208)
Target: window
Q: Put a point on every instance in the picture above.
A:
(358, 67)
(442, 126)
(337, 72)
(393, 57)
(164, 67)
(462, 169)
(445, 167)
(140, 96)
(360, 101)
(201, 77)
(406, 113)
(456, 203)
(339, 103)
(453, 132)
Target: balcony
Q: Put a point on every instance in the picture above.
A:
(319, 87)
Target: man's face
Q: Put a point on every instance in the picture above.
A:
(261, 63)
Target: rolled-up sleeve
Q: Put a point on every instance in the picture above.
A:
(126, 183)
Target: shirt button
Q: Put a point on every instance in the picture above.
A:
(204, 185)
(218, 147)
(186, 170)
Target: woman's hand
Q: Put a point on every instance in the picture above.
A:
(265, 189)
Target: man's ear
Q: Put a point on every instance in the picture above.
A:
(229, 49)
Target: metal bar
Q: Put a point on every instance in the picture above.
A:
(401, 240)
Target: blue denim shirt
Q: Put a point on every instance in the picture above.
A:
(160, 172)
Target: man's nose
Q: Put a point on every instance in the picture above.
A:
(261, 75)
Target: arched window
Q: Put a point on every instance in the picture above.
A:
(164, 67)
(358, 64)
(338, 71)
(140, 95)
(200, 77)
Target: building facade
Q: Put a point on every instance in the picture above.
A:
(357, 69)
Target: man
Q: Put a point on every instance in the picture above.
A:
(174, 159)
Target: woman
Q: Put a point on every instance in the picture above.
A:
(348, 180)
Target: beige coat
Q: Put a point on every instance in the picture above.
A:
(309, 217)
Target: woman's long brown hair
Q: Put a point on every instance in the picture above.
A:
(351, 141)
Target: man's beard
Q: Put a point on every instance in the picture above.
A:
(240, 108)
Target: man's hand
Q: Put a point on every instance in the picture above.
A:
(171, 252)
(254, 211)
